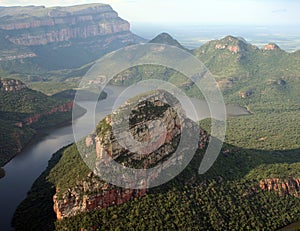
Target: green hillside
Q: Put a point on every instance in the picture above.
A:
(263, 145)
(17, 106)
(269, 78)
(190, 201)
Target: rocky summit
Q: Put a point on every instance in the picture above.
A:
(94, 193)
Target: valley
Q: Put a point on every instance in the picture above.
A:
(44, 55)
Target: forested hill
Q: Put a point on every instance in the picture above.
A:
(23, 111)
(245, 189)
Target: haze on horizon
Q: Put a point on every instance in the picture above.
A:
(255, 12)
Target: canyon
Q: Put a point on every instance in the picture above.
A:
(35, 32)
(60, 24)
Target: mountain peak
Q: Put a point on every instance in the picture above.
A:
(271, 47)
(233, 44)
(165, 38)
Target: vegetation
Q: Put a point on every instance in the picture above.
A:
(16, 107)
(210, 201)
(12, 139)
(263, 145)
(2, 173)
(211, 207)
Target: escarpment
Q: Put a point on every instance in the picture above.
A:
(41, 25)
(47, 37)
(156, 128)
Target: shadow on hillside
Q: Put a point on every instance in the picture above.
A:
(36, 211)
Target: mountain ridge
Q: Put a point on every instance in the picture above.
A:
(44, 35)
(23, 111)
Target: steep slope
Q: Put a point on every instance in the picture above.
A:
(203, 202)
(23, 111)
(228, 57)
(47, 36)
(251, 76)
(165, 38)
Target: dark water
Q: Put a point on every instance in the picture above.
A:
(32, 161)
(22, 171)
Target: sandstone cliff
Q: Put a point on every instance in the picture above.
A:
(289, 186)
(30, 26)
(61, 37)
(66, 107)
(94, 193)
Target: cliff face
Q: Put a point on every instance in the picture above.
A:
(271, 47)
(91, 194)
(66, 107)
(61, 37)
(40, 26)
(282, 186)
(94, 193)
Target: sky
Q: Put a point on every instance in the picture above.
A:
(257, 12)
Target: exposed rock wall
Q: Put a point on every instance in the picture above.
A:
(61, 24)
(289, 186)
(271, 47)
(91, 194)
(94, 193)
(36, 117)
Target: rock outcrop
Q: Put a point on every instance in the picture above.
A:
(66, 107)
(91, 194)
(31, 26)
(271, 47)
(232, 44)
(11, 85)
(289, 186)
(159, 142)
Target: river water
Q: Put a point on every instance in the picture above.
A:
(22, 171)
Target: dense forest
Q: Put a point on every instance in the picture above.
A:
(259, 146)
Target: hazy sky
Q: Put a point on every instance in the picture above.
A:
(197, 11)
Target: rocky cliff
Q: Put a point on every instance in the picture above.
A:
(66, 107)
(30, 26)
(94, 193)
(289, 186)
(271, 47)
(58, 34)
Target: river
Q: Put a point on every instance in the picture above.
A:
(22, 171)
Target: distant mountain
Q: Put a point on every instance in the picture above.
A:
(227, 57)
(60, 37)
(246, 71)
(22, 111)
(165, 38)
